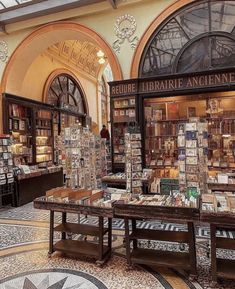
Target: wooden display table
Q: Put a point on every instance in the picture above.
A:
(138, 255)
(99, 251)
(220, 268)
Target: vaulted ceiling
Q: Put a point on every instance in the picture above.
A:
(77, 54)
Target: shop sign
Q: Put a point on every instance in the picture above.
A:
(171, 84)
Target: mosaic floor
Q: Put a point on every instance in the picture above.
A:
(24, 263)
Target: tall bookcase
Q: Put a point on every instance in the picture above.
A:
(123, 113)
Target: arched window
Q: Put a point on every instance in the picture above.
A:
(199, 37)
(65, 92)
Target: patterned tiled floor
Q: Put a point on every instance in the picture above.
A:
(24, 263)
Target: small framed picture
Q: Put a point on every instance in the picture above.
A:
(132, 101)
(191, 112)
(122, 112)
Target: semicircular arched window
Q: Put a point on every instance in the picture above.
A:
(65, 92)
(199, 37)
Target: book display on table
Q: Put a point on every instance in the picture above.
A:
(123, 111)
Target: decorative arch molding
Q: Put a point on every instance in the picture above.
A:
(40, 39)
(150, 30)
(58, 72)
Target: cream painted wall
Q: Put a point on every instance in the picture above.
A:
(38, 73)
(144, 12)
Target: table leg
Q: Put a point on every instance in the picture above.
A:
(213, 252)
(192, 249)
(133, 221)
(64, 215)
(51, 233)
(110, 234)
(127, 237)
(101, 237)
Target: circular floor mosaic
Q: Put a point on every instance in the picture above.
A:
(16, 273)
(52, 279)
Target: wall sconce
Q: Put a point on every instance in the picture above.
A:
(101, 57)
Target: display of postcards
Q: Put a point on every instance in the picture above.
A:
(122, 112)
(181, 157)
(135, 136)
(136, 144)
(136, 167)
(128, 186)
(116, 113)
(9, 175)
(191, 143)
(136, 152)
(127, 112)
(5, 162)
(1, 149)
(192, 184)
(9, 149)
(5, 148)
(181, 140)
(191, 135)
(137, 175)
(5, 170)
(191, 160)
(132, 101)
(182, 178)
(2, 177)
(181, 128)
(3, 182)
(192, 178)
(5, 142)
(136, 159)
(191, 126)
(137, 190)
(131, 112)
(191, 152)
(1, 171)
(136, 183)
(192, 190)
(6, 156)
(1, 142)
(191, 169)
(125, 103)
(11, 180)
(181, 165)
(1, 163)
(117, 104)
(205, 142)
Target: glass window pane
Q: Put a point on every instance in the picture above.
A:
(195, 57)
(222, 15)
(194, 20)
(223, 52)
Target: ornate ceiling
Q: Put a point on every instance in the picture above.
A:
(78, 54)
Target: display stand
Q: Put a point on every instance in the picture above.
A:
(186, 261)
(100, 252)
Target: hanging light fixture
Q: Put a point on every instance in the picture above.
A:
(101, 57)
